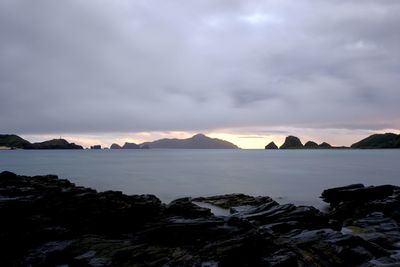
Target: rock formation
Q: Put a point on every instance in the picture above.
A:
(292, 142)
(46, 221)
(271, 146)
(311, 145)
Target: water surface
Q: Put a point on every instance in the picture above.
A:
(288, 176)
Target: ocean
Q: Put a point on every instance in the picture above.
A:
(288, 176)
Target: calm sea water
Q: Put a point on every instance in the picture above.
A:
(288, 176)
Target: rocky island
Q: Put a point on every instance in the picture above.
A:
(47, 221)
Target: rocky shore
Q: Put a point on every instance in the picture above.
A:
(47, 221)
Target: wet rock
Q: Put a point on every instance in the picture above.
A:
(47, 221)
(357, 192)
(186, 208)
(234, 200)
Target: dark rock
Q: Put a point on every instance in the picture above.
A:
(311, 145)
(47, 221)
(186, 208)
(376, 141)
(324, 145)
(271, 146)
(357, 192)
(95, 147)
(292, 142)
(115, 146)
(234, 200)
(53, 144)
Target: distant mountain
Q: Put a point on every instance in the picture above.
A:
(115, 146)
(130, 146)
(387, 140)
(198, 141)
(13, 141)
(271, 146)
(53, 144)
(292, 142)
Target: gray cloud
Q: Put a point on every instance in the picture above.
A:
(103, 66)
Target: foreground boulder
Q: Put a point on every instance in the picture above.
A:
(47, 221)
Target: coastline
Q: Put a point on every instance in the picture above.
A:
(50, 221)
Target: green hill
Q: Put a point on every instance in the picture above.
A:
(387, 140)
(13, 141)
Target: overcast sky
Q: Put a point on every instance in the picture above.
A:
(251, 68)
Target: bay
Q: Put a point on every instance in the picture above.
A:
(288, 176)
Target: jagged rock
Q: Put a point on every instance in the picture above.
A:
(271, 146)
(186, 208)
(292, 142)
(234, 200)
(357, 192)
(48, 221)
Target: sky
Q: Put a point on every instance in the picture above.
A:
(250, 72)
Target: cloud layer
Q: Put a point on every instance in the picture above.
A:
(133, 65)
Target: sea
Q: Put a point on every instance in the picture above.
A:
(288, 176)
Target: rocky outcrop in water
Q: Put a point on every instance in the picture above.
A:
(271, 146)
(292, 142)
(47, 221)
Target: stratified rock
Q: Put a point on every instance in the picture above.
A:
(115, 146)
(271, 146)
(356, 192)
(234, 200)
(130, 146)
(292, 142)
(186, 208)
(48, 221)
(311, 145)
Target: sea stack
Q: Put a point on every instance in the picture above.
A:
(271, 146)
(292, 142)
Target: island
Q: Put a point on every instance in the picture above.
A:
(377, 141)
(198, 141)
